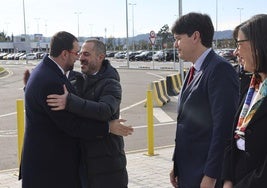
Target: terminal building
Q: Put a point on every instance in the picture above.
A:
(31, 43)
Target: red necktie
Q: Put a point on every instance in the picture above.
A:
(191, 75)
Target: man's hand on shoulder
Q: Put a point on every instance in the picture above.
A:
(26, 76)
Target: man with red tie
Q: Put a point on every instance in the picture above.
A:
(206, 105)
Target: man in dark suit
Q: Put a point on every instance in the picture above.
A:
(206, 105)
(51, 153)
(98, 96)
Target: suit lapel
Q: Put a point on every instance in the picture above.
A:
(186, 90)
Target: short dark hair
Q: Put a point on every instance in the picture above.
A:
(61, 41)
(191, 22)
(99, 46)
(255, 31)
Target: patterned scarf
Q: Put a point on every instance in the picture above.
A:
(249, 109)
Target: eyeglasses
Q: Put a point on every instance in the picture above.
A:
(237, 42)
(74, 53)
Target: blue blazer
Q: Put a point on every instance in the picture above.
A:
(51, 153)
(206, 109)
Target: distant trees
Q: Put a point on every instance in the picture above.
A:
(164, 37)
(4, 37)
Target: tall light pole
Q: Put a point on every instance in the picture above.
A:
(133, 4)
(216, 23)
(78, 22)
(240, 9)
(127, 37)
(105, 36)
(37, 21)
(180, 13)
(24, 20)
(45, 27)
(180, 8)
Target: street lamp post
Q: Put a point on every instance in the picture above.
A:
(37, 21)
(181, 61)
(78, 13)
(133, 4)
(240, 9)
(24, 20)
(127, 37)
(105, 36)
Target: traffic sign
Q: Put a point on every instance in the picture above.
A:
(152, 34)
(152, 37)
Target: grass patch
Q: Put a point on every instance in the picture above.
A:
(1, 69)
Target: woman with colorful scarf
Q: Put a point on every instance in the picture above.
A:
(245, 164)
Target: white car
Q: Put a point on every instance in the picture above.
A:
(29, 56)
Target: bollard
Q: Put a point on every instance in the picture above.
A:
(150, 124)
(20, 127)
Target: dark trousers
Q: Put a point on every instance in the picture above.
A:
(117, 179)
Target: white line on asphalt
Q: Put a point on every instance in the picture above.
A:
(8, 133)
(9, 114)
(133, 105)
(161, 116)
(155, 75)
(156, 125)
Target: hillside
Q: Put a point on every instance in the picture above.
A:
(227, 34)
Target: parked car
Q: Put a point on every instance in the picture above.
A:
(158, 56)
(166, 55)
(29, 56)
(132, 55)
(39, 55)
(119, 55)
(144, 56)
(18, 55)
(2, 55)
(110, 54)
(228, 54)
(169, 55)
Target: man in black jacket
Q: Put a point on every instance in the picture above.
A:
(98, 97)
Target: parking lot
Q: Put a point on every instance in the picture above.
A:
(135, 82)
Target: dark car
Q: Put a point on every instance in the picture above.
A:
(132, 55)
(166, 55)
(144, 56)
(110, 54)
(228, 54)
(169, 55)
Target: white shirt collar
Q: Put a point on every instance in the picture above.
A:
(201, 59)
(63, 72)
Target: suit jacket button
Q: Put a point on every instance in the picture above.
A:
(247, 154)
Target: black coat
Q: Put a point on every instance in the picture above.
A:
(103, 93)
(248, 169)
(244, 80)
(51, 151)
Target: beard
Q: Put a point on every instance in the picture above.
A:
(88, 68)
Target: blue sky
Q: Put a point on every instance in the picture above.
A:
(108, 17)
